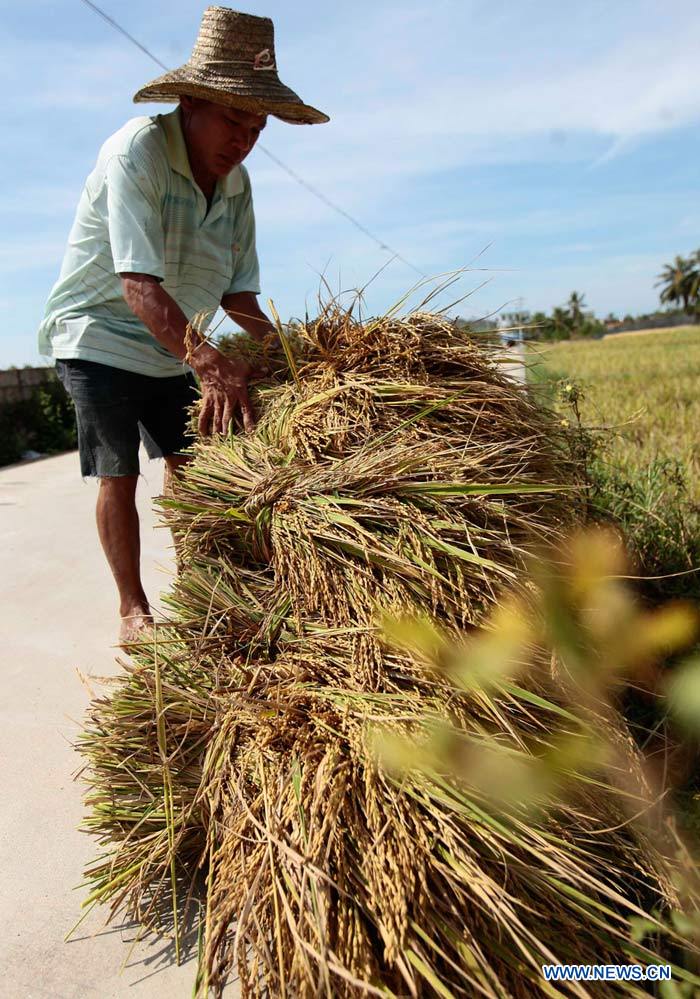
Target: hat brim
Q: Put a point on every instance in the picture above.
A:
(266, 96)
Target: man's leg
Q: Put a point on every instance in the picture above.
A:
(108, 402)
(118, 528)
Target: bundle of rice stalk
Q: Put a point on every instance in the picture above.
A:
(394, 470)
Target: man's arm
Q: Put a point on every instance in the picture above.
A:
(224, 382)
(243, 308)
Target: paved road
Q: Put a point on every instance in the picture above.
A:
(516, 369)
(58, 615)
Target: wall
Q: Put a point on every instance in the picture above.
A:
(19, 383)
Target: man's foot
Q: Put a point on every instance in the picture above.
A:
(136, 627)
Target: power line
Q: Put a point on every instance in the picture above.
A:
(340, 211)
(123, 31)
(295, 176)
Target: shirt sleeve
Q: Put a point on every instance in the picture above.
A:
(246, 269)
(134, 218)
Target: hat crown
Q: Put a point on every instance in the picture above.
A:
(228, 36)
(233, 63)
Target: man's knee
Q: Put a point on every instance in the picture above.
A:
(119, 485)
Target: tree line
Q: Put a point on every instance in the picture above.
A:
(679, 284)
(564, 322)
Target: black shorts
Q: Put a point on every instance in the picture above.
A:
(116, 409)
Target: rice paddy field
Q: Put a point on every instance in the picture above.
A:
(638, 395)
(645, 387)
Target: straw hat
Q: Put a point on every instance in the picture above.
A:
(233, 63)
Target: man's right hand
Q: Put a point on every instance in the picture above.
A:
(224, 381)
(224, 385)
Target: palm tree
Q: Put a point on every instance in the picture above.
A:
(575, 307)
(680, 281)
(561, 323)
(695, 286)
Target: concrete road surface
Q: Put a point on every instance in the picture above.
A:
(515, 368)
(58, 613)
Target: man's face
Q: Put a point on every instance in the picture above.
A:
(219, 137)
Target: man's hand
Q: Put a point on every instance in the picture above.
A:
(224, 391)
(224, 380)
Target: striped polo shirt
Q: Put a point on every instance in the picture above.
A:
(141, 211)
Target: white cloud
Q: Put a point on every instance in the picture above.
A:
(415, 89)
(71, 76)
(419, 90)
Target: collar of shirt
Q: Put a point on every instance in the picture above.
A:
(230, 185)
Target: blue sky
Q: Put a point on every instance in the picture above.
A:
(562, 136)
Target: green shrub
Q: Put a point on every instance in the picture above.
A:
(653, 508)
(45, 422)
(15, 435)
(56, 429)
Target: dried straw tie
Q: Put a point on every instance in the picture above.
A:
(233, 63)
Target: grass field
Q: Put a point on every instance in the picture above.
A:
(645, 388)
(643, 391)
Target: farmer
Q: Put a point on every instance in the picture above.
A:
(165, 231)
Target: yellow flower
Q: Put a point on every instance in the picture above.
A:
(565, 423)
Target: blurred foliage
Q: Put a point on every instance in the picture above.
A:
(584, 614)
(572, 320)
(45, 422)
(631, 407)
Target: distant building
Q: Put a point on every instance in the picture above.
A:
(510, 331)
